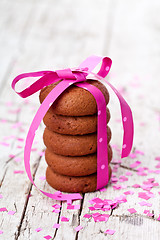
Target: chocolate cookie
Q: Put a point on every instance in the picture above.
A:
(72, 184)
(74, 166)
(75, 101)
(69, 145)
(72, 125)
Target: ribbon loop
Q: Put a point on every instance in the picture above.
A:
(46, 78)
(92, 61)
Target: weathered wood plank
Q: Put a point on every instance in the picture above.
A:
(62, 35)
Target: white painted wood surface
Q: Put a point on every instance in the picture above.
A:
(39, 35)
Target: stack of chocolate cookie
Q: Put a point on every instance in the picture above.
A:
(71, 139)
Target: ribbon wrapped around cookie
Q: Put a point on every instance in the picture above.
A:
(78, 76)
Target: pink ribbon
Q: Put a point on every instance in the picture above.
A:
(78, 77)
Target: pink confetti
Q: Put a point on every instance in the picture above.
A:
(100, 217)
(78, 228)
(123, 178)
(47, 237)
(19, 146)
(114, 179)
(64, 219)
(132, 210)
(129, 193)
(98, 205)
(20, 139)
(97, 200)
(11, 212)
(110, 231)
(41, 154)
(4, 144)
(141, 173)
(150, 214)
(94, 215)
(77, 206)
(34, 149)
(143, 203)
(1, 196)
(106, 208)
(3, 120)
(139, 152)
(56, 206)
(142, 124)
(8, 104)
(143, 195)
(56, 225)
(91, 208)
(146, 211)
(12, 155)
(38, 229)
(17, 125)
(70, 207)
(158, 165)
(157, 158)
(129, 173)
(132, 155)
(3, 209)
(106, 216)
(136, 186)
(87, 216)
(42, 178)
(158, 218)
(9, 137)
(117, 186)
(1, 232)
(18, 172)
(135, 164)
(17, 159)
(73, 206)
(120, 199)
(56, 210)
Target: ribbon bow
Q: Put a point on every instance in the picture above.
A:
(78, 76)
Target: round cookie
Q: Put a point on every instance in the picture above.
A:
(74, 166)
(72, 184)
(75, 101)
(72, 125)
(69, 145)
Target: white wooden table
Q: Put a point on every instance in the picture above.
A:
(45, 35)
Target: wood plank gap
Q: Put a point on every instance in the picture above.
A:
(58, 221)
(136, 215)
(79, 214)
(111, 212)
(3, 177)
(17, 234)
(128, 168)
